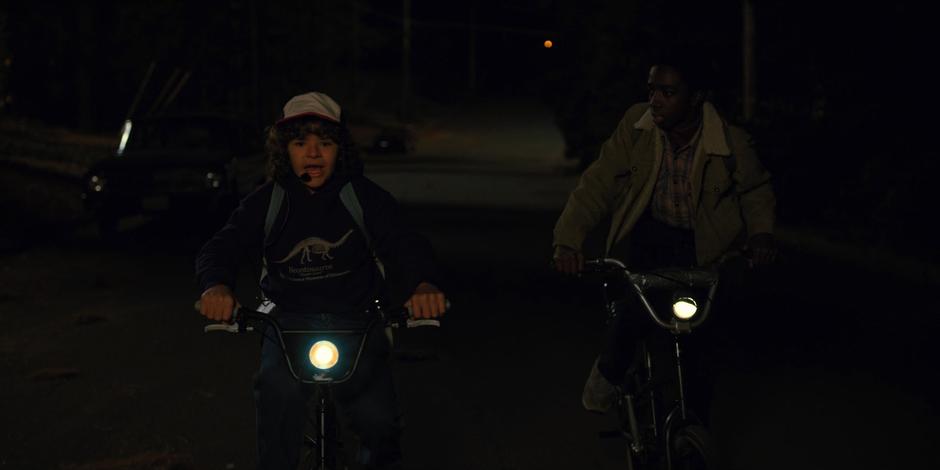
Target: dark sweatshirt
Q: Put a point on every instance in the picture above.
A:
(318, 260)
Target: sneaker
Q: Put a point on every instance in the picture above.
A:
(599, 394)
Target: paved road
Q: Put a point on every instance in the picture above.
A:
(103, 359)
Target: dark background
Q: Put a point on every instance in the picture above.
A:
(844, 94)
(819, 377)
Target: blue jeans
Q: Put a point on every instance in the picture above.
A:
(367, 401)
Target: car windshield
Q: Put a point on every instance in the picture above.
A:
(183, 135)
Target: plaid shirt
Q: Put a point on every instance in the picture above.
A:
(672, 194)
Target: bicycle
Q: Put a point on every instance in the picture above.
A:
(654, 415)
(320, 358)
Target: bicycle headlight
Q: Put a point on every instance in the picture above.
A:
(323, 354)
(684, 307)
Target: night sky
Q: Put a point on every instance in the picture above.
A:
(82, 63)
(94, 56)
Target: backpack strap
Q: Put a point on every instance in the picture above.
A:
(274, 207)
(348, 196)
(351, 201)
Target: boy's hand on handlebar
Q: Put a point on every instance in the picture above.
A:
(567, 260)
(427, 301)
(217, 303)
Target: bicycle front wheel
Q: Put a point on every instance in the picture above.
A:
(693, 449)
(317, 440)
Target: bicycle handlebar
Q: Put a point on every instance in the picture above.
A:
(675, 278)
(401, 317)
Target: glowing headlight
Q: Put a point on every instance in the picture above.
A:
(96, 183)
(323, 354)
(213, 180)
(684, 308)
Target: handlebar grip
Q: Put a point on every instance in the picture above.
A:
(412, 322)
(232, 327)
(226, 327)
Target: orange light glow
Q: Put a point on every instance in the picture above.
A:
(548, 44)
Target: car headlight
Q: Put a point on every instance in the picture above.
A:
(96, 184)
(684, 307)
(323, 354)
(213, 180)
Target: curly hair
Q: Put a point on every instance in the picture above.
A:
(279, 135)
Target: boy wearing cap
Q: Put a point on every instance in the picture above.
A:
(320, 267)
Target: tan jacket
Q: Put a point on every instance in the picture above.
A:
(620, 182)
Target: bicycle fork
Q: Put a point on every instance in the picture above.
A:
(321, 431)
(637, 446)
(681, 406)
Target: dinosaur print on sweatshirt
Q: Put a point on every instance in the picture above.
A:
(315, 246)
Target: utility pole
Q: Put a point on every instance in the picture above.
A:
(406, 60)
(254, 57)
(84, 82)
(356, 54)
(749, 88)
(472, 48)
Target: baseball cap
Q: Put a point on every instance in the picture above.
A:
(314, 104)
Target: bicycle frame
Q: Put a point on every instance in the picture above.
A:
(293, 342)
(664, 280)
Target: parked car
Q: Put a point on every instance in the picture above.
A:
(199, 163)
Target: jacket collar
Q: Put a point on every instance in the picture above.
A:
(713, 129)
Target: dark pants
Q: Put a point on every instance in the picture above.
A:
(656, 245)
(367, 401)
